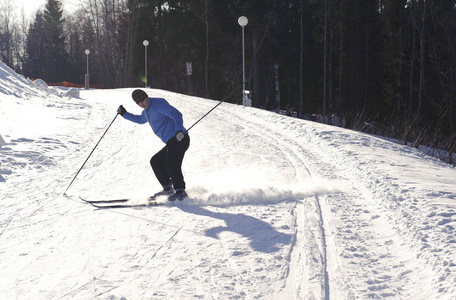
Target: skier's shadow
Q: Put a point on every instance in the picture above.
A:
(263, 237)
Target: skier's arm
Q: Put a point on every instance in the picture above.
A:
(141, 119)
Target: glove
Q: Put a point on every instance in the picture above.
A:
(179, 135)
(121, 110)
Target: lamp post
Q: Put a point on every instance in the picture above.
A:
(87, 83)
(243, 21)
(145, 43)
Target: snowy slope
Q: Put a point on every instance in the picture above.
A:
(280, 208)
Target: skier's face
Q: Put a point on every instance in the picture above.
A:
(144, 104)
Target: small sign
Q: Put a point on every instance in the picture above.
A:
(189, 68)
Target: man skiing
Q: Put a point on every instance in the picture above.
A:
(167, 123)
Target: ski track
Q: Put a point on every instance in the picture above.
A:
(308, 219)
(377, 226)
(333, 210)
(312, 228)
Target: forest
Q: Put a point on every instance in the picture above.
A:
(385, 67)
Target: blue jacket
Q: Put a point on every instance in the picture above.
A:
(164, 119)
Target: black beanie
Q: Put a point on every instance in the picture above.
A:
(139, 95)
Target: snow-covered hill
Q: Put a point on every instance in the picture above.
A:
(280, 208)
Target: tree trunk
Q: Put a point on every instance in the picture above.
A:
(301, 63)
(130, 45)
(330, 100)
(340, 60)
(325, 71)
(277, 87)
(206, 71)
(256, 72)
(420, 111)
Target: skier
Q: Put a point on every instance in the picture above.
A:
(167, 123)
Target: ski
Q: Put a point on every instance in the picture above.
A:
(105, 201)
(133, 202)
(125, 205)
(122, 200)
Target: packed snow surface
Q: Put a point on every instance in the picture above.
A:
(279, 208)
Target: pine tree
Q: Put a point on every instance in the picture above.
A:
(35, 48)
(55, 53)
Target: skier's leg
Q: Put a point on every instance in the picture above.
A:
(158, 164)
(174, 158)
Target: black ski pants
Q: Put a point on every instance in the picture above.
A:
(167, 163)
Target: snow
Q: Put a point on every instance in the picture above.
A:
(280, 208)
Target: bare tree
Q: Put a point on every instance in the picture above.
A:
(6, 31)
(301, 61)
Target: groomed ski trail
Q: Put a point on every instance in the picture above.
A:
(308, 270)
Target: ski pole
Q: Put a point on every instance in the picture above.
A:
(221, 101)
(64, 193)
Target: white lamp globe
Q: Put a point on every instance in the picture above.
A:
(243, 21)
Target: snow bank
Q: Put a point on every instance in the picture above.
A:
(39, 83)
(16, 85)
(72, 93)
(2, 141)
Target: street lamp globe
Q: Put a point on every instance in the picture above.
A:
(87, 52)
(146, 43)
(243, 21)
